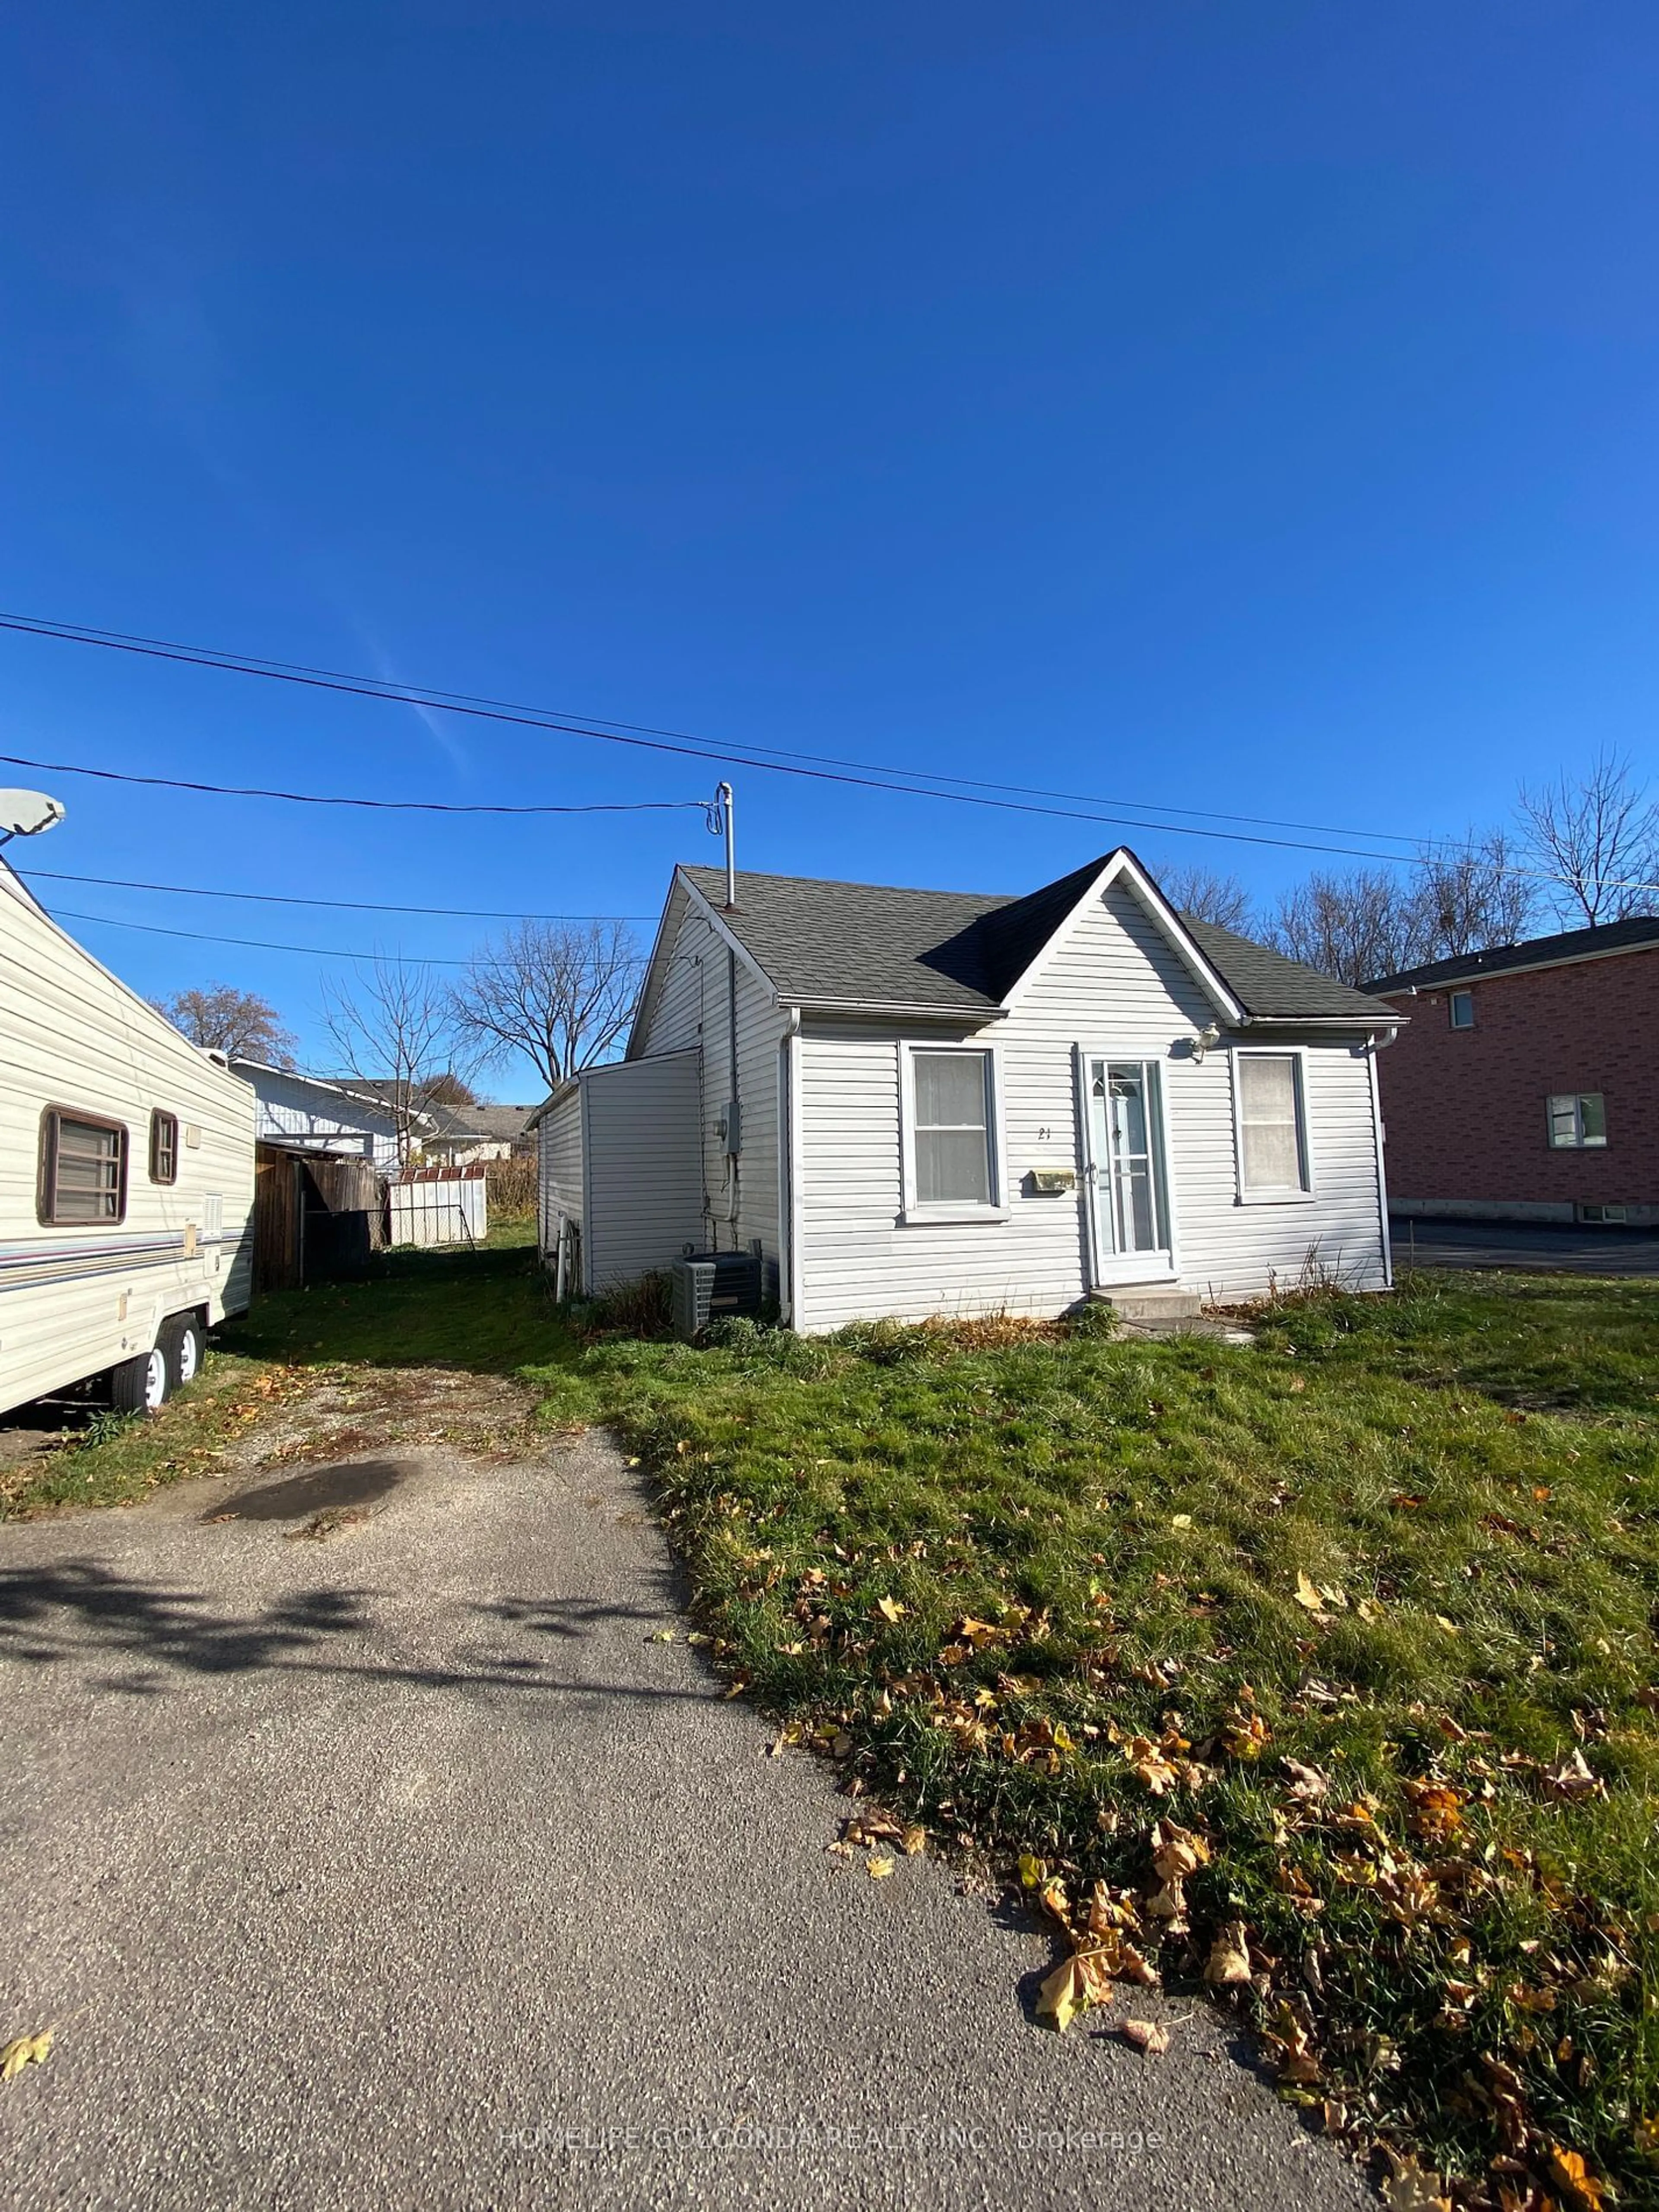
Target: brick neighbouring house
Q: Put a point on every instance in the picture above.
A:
(1525, 1086)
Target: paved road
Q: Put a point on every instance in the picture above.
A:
(1533, 1247)
(396, 1870)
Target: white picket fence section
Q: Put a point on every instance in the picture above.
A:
(437, 1208)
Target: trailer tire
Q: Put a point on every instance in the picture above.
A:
(141, 1385)
(183, 1342)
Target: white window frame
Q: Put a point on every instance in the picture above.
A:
(1308, 1193)
(914, 1209)
(1467, 998)
(1578, 1142)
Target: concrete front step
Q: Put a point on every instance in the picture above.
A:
(1132, 1302)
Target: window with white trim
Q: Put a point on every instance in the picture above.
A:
(950, 1100)
(1462, 1009)
(1578, 1121)
(1272, 1129)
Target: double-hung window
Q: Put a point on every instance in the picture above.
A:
(1271, 1104)
(84, 1168)
(951, 1165)
(1578, 1121)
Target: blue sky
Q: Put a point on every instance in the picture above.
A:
(1236, 405)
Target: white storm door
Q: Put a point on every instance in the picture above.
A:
(1128, 1190)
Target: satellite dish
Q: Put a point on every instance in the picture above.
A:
(27, 813)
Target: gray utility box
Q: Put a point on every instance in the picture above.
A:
(709, 1286)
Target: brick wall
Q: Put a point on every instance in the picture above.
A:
(1465, 1110)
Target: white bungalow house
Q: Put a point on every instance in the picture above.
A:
(922, 1103)
(306, 1110)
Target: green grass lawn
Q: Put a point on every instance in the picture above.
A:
(1325, 1666)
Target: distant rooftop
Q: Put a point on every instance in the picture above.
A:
(1637, 935)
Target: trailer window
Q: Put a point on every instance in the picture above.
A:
(163, 1148)
(84, 1168)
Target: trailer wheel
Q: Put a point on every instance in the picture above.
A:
(181, 1345)
(141, 1385)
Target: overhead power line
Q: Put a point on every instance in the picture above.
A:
(775, 763)
(454, 703)
(319, 951)
(249, 663)
(380, 805)
(293, 898)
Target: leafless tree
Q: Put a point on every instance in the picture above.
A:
(1353, 926)
(1597, 835)
(393, 1026)
(240, 1024)
(1207, 895)
(560, 994)
(1472, 895)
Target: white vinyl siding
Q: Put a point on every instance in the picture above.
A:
(293, 1110)
(559, 1166)
(641, 1177)
(1114, 988)
(692, 1009)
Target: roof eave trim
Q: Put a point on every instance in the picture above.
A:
(910, 1008)
(722, 928)
(1361, 1018)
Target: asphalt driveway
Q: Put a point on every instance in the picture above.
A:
(1529, 1247)
(397, 1863)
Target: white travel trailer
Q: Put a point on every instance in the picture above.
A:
(126, 1177)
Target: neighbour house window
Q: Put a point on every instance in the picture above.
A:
(953, 1161)
(163, 1148)
(84, 1168)
(1273, 1134)
(1578, 1121)
(1462, 1009)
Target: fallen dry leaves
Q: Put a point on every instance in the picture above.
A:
(24, 2050)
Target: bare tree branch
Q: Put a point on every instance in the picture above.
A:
(1470, 897)
(394, 1027)
(1598, 834)
(560, 995)
(1207, 895)
(1355, 926)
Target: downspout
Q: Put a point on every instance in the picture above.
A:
(1374, 1044)
(789, 1210)
(733, 1135)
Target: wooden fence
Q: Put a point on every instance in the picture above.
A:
(316, 1216)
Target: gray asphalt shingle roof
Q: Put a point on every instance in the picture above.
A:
(878, 945)
(1638, 935)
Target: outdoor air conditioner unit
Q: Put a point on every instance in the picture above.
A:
(709, 1286)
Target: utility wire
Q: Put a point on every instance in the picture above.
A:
(353, 905)
(364, 687)
(458, 703)
(380, 805)
(320, 951)
(432, 694)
